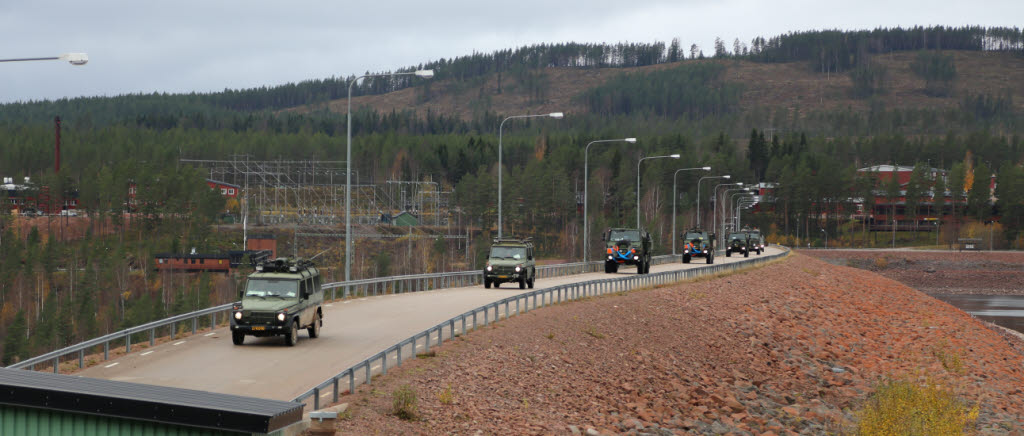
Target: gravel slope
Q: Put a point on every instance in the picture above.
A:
(791, 347)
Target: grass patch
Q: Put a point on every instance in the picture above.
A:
(881, 263)
(550, 336)
(951, 359)
(447, 396)
(426, 355)
(904, 407)
(403, 402)
(590, 331)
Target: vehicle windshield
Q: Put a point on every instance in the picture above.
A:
(279, 288)
(508, 252)
(692, 236)
(755, 235)
(738, 236)
(632, 235)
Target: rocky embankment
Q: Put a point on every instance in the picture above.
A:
(795, 346)
(939, 272)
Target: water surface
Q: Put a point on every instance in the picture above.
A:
(1003, 310)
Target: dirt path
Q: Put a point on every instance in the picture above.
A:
(795, 346)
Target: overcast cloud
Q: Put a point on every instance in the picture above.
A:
(202, 46)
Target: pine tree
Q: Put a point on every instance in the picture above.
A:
(15, 343)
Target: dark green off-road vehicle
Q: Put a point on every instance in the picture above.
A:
(738, 242)
(698, 243)
(510, 260)
(756, 241)
(627, 247)
(281, 297)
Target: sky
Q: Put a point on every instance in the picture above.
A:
(210, 45)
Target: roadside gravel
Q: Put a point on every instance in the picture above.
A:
(795, 346)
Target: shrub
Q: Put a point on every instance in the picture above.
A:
(446, 397)
(904, 407)
(403, 403)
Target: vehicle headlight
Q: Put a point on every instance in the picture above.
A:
(636, 257)
(280, 317)
(490, 268)
(705, 252)
(610, 258)
(518, 268)
(238, 315)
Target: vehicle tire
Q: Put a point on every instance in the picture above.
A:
(640, 267)
(728, 253)
(759, 251)
(522, 283)
(686, 258)
(487, 283)
(497, 284)
(746, 253)
(293, 334)
(532, 279)
(608, 268)
(314, 330)
(237, 338)
(710, 258)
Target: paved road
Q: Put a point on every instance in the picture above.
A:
(353, 330)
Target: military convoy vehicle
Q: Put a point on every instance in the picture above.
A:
(627, 247)
(698, 243)
(756, 241)
(510, 260)
(282, 296)
(738, 242)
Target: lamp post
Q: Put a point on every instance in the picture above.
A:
(674, 201)
(732, 201)
(555, 115)
(714, 216)
(586, 178)
(728, 211)
(673, 156)
(739, 211)
(826, 238)
(726, 177)
(77, 59)
(426, 74)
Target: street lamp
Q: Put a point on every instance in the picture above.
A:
(555, 115)
(586, 178)
(77, 59)
(426, 74)
(673, 156)
(743, 204)
(732, 201)
(674, 200)
(826, 238)
(726, 177)
(714, 216)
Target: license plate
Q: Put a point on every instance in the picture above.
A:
(259, 328)
(502, 277)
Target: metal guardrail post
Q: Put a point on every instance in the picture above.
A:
(127, 343)
(335, 397)
(351, 382)
(384, 362)
(106, 350)
(81, 358)
(367, 362)
(316, 398)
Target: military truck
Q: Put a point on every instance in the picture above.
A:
(756, 241)
(281, 297)
(627, 247)
(698, 243)
(510, 260)
(738, 242)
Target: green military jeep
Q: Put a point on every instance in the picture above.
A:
(698, 243)
(756, 241)
(738, 242)
(510, 260)
(627, 247)
(282, 296)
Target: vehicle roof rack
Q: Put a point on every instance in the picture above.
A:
(512, 239)
(284, 264)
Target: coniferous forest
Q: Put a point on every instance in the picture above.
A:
(66, 279)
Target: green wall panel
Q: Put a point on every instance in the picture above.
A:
(24, 421)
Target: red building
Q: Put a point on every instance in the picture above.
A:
(932, 206)
(226, 189)
(30, 198)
